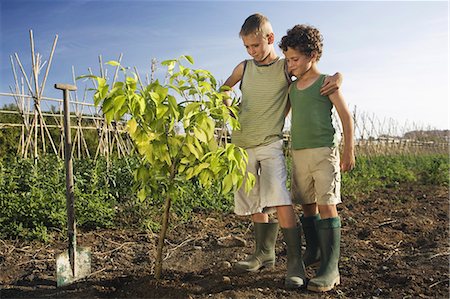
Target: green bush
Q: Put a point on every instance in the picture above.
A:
(33, 198)
(33, 204)
(434, 170)
(377, 172)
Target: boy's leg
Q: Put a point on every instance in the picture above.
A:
(329, 232)
(328, 211)
(295, 277)
(264, 254)
(265, 233)
(270, 166)
(286, 216)
(303, 192)
(327, 185)
(260, 217)
(311, 257)
(310, 210)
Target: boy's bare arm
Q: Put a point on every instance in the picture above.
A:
(288, 104)
(331, 84)
(234, 78)
(348, 157)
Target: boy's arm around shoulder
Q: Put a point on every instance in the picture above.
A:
(234, 78)
(331, 84)
(348, 157)
(288, 104)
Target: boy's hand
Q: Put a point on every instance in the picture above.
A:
(331, 84)
(348, 161)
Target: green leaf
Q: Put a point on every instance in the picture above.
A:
(212, 144)
(189, 173)
(131, 83)
(168, 62)
(142, 195)
(108, 104)
(170, 65)
(155, 97)
(174, 146)
(200, 134)
(109, 115)
(113, 63)
(200, 167)
(205, 177)
(193, 150)
(189, 58)
(185, 160)
(173, 107)
(225, 88)
(250, 182)
(101, 82)
(227, 184)
(86, 76)
(191, 108)
(118, 102)
(141, 103)
(132, 126)
(161, 110)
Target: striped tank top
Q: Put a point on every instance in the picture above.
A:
(264, 91)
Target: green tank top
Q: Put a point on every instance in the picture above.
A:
(262, 110)
(311, 125)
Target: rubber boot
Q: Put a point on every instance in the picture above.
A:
(327, 277)
(264, 255)
(295, 277)
(311, 257)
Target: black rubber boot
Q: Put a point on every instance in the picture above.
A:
(311, 257)
(327, 277)
(295, 277)
(264, 255)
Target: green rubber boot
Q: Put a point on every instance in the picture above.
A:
(295, 277)
(311, 257)
(327, 277)
(264, 255)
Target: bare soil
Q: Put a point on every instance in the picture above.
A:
(395, 244)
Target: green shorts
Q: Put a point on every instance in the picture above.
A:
(316, 176)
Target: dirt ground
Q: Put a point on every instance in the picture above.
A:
(395, 244)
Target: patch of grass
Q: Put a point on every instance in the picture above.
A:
(32, 196)
(379, 172)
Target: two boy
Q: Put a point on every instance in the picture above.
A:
(264, 82)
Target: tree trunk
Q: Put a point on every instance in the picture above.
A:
(162, 237)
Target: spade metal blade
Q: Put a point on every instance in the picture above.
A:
(64, 273)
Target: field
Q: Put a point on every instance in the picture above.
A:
(394, 245)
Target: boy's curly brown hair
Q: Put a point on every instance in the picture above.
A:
(304, 38)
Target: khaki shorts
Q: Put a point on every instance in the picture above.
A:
(316, 176)
(267, 163)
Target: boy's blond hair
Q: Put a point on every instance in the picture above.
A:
(256, 24)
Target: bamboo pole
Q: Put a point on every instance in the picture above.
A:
(48, 66)
(117, 69)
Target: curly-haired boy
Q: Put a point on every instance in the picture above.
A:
(316, 162)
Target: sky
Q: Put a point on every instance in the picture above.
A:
(394, 55)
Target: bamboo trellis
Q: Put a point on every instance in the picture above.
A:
(388, 136)
(28, 94)
(373, 136)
